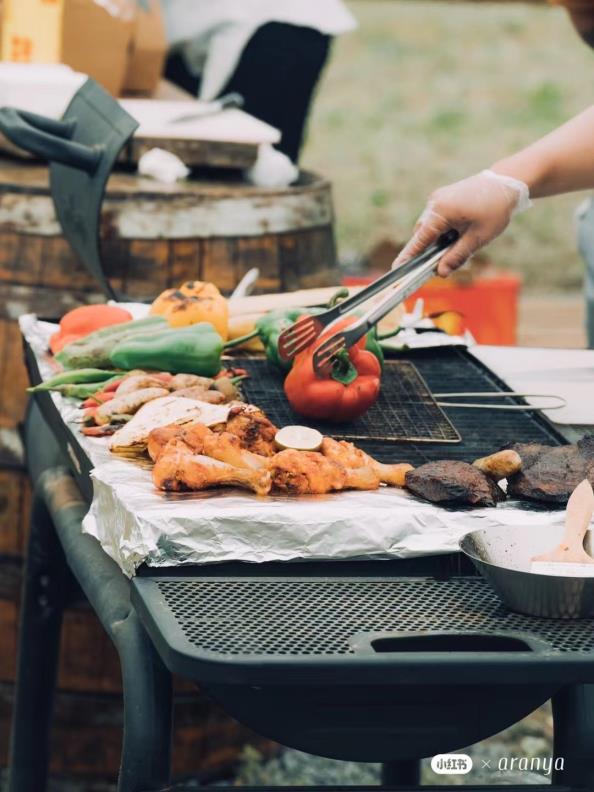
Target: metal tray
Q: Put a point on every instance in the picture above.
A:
(266, 626)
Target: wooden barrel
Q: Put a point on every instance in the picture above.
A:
(153, 236)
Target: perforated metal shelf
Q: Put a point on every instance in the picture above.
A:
(261, 621)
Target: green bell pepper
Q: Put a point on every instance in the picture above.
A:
(373, 345)
(270, 326)
(195, 349)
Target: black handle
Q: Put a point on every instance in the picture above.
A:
(469, 641)
(48, 139)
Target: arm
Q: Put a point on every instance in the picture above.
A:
(481, 207)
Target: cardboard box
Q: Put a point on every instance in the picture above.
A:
(91, 37)
(148, 47)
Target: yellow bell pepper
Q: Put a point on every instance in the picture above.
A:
(194, 302)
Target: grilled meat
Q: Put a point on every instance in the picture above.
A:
(550, 475)
(224, 446)
(179, 469)
(500, 465)
(311, 473)
(453, 483)
(255, 432)
(350, 456)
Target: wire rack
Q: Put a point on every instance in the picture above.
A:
(405, 411)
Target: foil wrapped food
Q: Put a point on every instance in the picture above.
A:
(136, 524)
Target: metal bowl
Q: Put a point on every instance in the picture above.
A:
(503, 556)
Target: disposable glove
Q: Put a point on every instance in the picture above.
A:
(479, 208)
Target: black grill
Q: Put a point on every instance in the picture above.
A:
(406, 411)
(451, 370)
(300, 617)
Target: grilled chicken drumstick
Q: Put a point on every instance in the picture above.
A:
(180, 469)
(224, 446)
(311, 473)
(255, 432)
(350, 456)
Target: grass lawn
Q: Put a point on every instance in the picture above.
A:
(424, 93)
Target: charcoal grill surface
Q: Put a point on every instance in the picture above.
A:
(444, 370)
(406, 411)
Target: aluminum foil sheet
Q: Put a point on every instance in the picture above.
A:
(137, 524)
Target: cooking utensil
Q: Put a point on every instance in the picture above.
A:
(82, 149)
(246, 284)
(500, 395)
(503, 555)
(301, 334)
(346, 338)
(211, 108)
(569, 558)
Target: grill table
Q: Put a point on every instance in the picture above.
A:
(383, 661)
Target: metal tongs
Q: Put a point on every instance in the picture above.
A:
(305, 331)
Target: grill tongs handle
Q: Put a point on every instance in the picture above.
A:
(48, 138)
(418, 271)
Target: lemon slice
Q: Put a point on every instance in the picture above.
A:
(300, 438)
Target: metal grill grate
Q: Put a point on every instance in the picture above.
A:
(444, 370)
(405, 412)
(268, 617)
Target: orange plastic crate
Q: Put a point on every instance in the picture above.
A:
(487, 306)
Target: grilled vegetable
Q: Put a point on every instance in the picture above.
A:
(94, 350)
(83, 321)
(78, 390)
(138, 382)
(75, 377)
(351, 389)
(189, 381)
(200, 394)
(244, 327)
(270, 327)
(127, 404)
(194, 302)
(191, 350)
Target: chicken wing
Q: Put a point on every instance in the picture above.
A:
(255, 432)
(224, 446)
(180, 469)
(158, 439)
(350, 456)
(311, 473)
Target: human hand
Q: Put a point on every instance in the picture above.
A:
(479, 208)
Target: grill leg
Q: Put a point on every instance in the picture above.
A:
(573, 715)
(406, 773)
(42, 605)
(146, 681)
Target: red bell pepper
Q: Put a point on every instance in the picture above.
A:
(348, 392)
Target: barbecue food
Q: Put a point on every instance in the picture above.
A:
(224, 446)
(311, 473)
(158, 439)
(550, 475)
(179, 469)
(132, 439)
(453, 483)
(500, 465)
(196, 392)
(350, 456)
(128, 404)
(256, 433)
